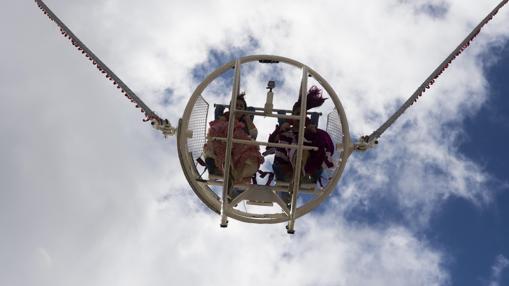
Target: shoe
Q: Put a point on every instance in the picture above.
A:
(233, 193)
(215, 177)
(214, 173)
(307, 182)
(282, 183)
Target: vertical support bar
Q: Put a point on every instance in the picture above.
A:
(298, 162)
(228, 156)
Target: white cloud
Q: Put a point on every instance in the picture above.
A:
(501, 263)
(90, 195)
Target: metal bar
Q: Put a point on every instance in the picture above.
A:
(435, 74)
(261, 143)
(298, 163)
(272, 188)
(100, 65)
(229, 139)
(282, 204)
(276, 110)
(294, 117)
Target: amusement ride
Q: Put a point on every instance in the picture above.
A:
(221, 180)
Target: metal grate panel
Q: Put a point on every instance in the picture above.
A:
(198, 125)
(334, 127)
(336, 133)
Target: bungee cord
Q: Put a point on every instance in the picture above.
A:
(167, 129)
(368, 141)
(158, 123)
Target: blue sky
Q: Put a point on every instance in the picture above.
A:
(91, 195)
(476, 236)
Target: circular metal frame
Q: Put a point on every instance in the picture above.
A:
(202, 189)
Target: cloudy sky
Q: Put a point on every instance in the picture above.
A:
(91, 195)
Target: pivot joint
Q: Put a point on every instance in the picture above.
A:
(164, 126)
(365, 143)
